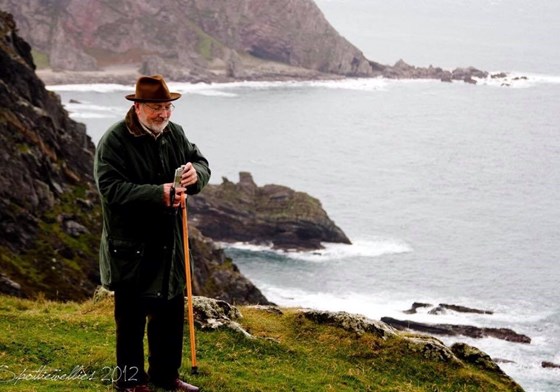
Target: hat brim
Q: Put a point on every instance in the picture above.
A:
(174, 96)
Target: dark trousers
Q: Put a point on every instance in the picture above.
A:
(165, 338)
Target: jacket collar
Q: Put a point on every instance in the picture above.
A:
(135, 127)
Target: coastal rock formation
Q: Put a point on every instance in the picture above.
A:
(191, 40)
(112, 41)
(261, 215)
(453, 330)
(417, 305)
(49, 208)
(442, 308)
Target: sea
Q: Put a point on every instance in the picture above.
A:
(449, 192)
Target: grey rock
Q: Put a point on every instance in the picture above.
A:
(350, 322)
(212, 314)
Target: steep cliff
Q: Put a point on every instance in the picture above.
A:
(188, 39)
(46, 193)
(49, 208)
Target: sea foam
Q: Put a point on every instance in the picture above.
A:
(359, 248)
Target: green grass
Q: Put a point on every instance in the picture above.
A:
(40, 59)
(43, 339)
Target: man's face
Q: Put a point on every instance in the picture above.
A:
(154, 116)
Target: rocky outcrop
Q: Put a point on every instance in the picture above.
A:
(473, 355)
(402, 70)
(49, 208)
(212, 314)
(550, 365)
(273, 214)
(443, 308)
(417, 305)
(350, 322)
(454, 330)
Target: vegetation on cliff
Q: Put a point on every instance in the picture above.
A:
(50, 346)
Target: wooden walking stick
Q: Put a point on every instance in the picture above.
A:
(188, 276)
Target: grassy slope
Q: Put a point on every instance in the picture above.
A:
(41, 339)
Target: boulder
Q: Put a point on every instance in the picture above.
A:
(210, 313)
(550, 365)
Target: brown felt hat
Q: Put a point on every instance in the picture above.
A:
(152, 89)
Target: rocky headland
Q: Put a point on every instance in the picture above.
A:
(110, 41)
(270, 214)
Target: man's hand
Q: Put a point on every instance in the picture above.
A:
(189, 176)
(172, 200)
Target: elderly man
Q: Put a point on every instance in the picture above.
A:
(141, 252)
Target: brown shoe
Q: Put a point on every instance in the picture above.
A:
(180, 385)
(135, 388)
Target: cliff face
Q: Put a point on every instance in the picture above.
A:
(189, 39)
(46, 188)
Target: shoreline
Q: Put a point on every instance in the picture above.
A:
(128, 74)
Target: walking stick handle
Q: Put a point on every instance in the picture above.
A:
(188, 281)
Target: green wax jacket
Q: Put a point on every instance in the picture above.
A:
(141, 244)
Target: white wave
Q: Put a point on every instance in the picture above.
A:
(519, 80)
(373, 307)
(363, 84)
(360, 248)
(86, 110)
(84, 106)
(93, 87)
(76, 115)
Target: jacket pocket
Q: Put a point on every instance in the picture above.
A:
(122, 262)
